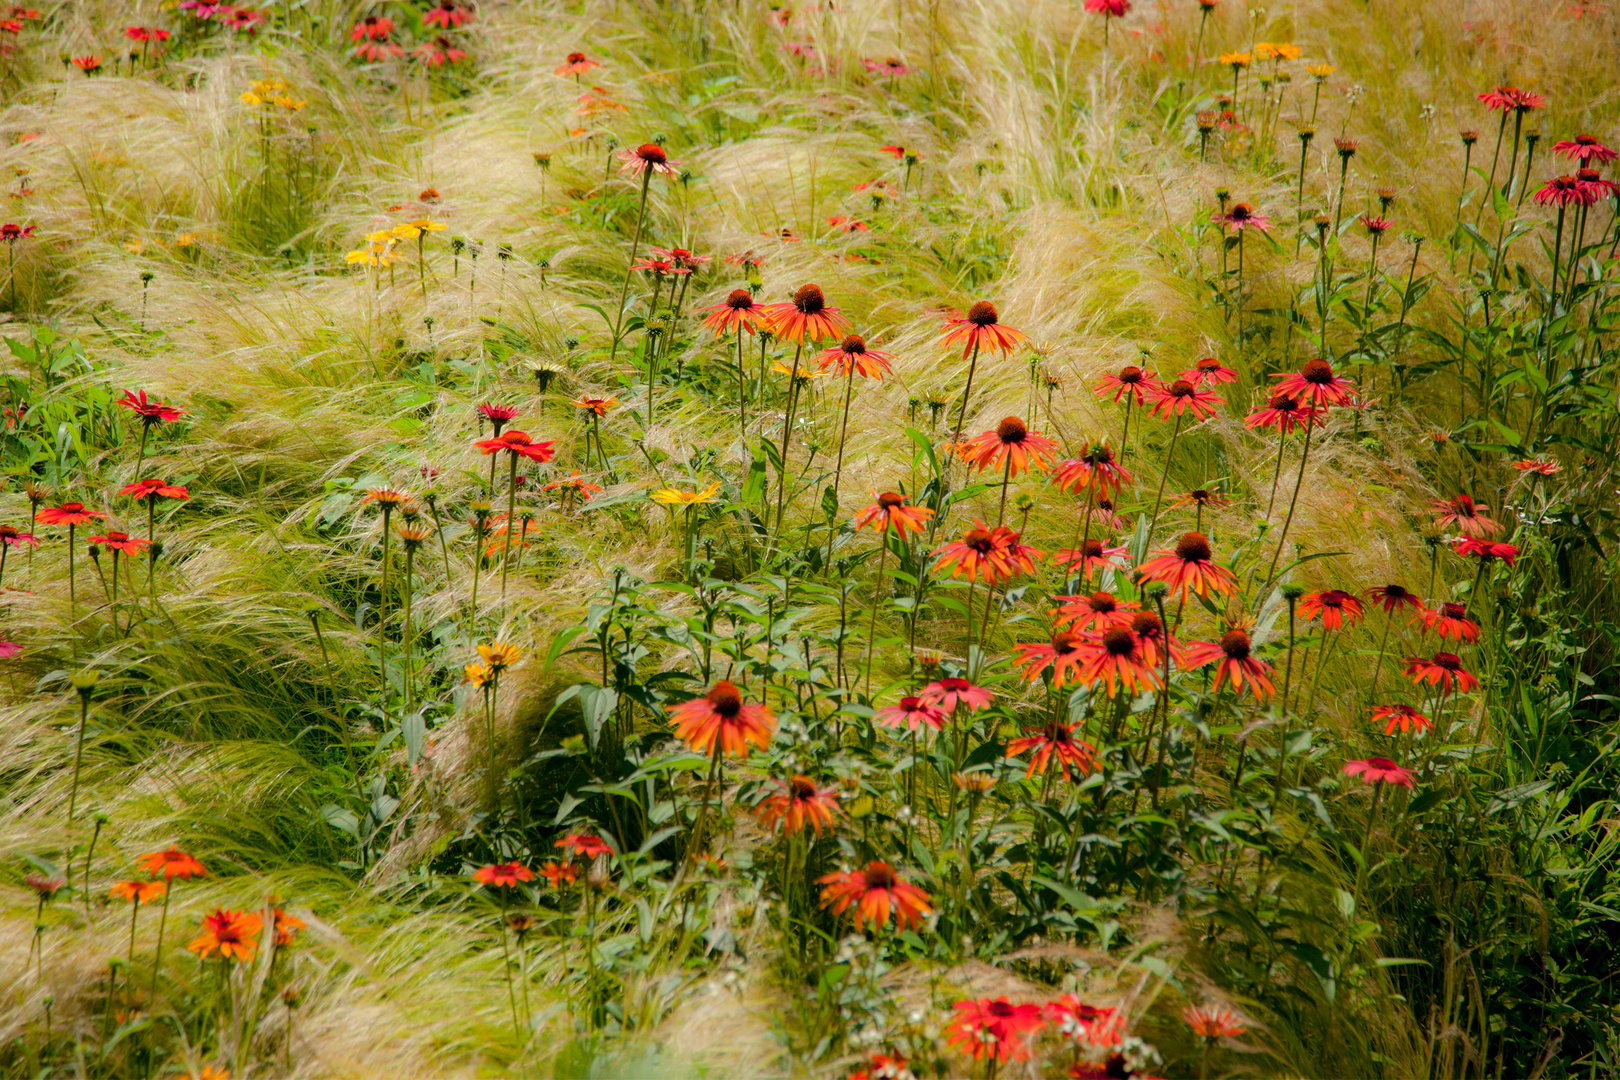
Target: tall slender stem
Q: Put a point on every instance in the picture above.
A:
(787, 435)
(629, 270)
(877, 598)
(1169, 457)
(1282, 539)
(511, 512)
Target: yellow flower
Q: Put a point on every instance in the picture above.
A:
(799, 372)
(498, 656)
(1319, 71)
(291, 104)
(135, 247)
(477, 674)
(674, 497)
(1277, 52)
(1236, 59)
(375, 255)
(250, 98)
(185, 240)
(424, 225)
(406, 232)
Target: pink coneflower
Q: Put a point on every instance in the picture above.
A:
(1131, 382)
(1450, 622)
(647, 158)
(1379, 770)
(1284, 414)
(446, 15)
(1241, 216)
(888, 66)
(1583, 149)
(1114, 8)
(913, 712)
(498, 415)
(1182, 397)
(1403, 717)
(1314, 384)
(980, 327)
(946, 694)
(1508, 99)
(683, 258)
(1208, 370)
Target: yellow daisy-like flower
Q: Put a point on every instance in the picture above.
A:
(290, 104)
(185, 240)
(1236, 59)
(675, 497)
(384, 236)
(498, 656)
(1319, 71)
(477, 674)
(250, 98)
(424, 225)
(798, 372)
(405, 232)
(1273, 51)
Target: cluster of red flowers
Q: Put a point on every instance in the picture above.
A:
(373, 37)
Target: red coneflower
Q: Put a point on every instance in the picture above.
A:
(446, 15)
(1117, 657)
(1096, 613)
(150, 410)
(138, 892)
(1132, 384)
(1208, 370)
(1483, 550)
(559, 874)
(235, 934)
(1241, 216)
(1235, 663)
(1391, 597)
(805, 317)
(438, 52)
(913, 712)
(852, 356)
(896, 152)
(1335, 606)
(1189, 565)
(1095, 470)
(875, 892)
(946, 694)
(1379, 770)
(1054, 741)
(1540, 466)
(577, 64)
(721, 717)
(1283, 414)
(1509, 99)
(1400, 716)
(1314, 384)
(584, 845)
(993, 1028)
(1585, 148)
(69, 514)
(646, 159)
(1450, 622)
(503, 875)
(1013, 445)
(1213, 1023)
(1445, 670)
(1092, 556)
(890, 511)
(798, 804)
(985, 554)
(152, 490)
(1562, 192)
(498, 415)
(87, 64)
(737, 312)
(1376, 226)
(120, 542)
(1062, 654)
(1182, 397)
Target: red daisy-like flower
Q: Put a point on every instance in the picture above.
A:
(1091, 557)
(1095, 613)
(559, 874)
(1283, 414)
(1087, 1025)
(890, 511)
(503, 875)
(150, 410)
(737, 312)
(1480, 549)
(912, 712)
(722, 714)
(1391, 597)
(798, 804)
(1117, 658)
(1242, 216)
(1053, 742)
(1585, 148)
(1013, 443)
(875, 893)
(1379, 770)
(683, 257)
(1463, 512)
(584, 845)
(659, 266)
(980, 326)
(993, 1028)
(1539, 466)
(1444, 670)
(1189, 566)
(153, 490)
(1335, 607)
(806, 317)
(1094, 468)
(12, 537)
(647, 158)
(446, 16)
(576, 64)
(438, 52)
(1508, 99)
(172, 863)
(1182, 397)
(1400, 716)
(1315, 384)
(120, 541)
(519, 443)
(1208, 370)
(1375, 225)
(852, 355)
(1562, 192)
(1131, 382)
(72, 513)
(985, 554)
(947, 694)
(1062, 654)
(1213, 1023)
(1235, 663)
(1451, 622)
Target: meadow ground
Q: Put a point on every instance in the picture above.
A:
(895, 539)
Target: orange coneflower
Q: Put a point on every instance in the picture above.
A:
(875, 892)
(1400, 716)
(720, 721)
(577, 64)
(1182, 397)
(990, 555)
(1095, 470)
(911, 712)
(980, 327)
(1444, 670)
(585, 845)
(1213, 1023)
(1117, 657)
(805, 317)
(890, 510)
(172, 864)
(1463, 512)
(851, 356)
(1315, 384)
(1012, 446)
(234, 934)
(503, 875)
(948, 693)
(1450, 622)
(1097, 612)
(520, 445)
(1054, 741)
(1208, 370)
(596, 406)
(69, 514)
(1189, 566)
(559, 874)
(1151, 636)
(285, 926)
(1335, 606)
(798, 804)
(993, 1028)
(737, 312)
(1132, 384)
(1091, 556)
(1235, 664)
(646, 159)
(138, 892)
(1063, 654)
